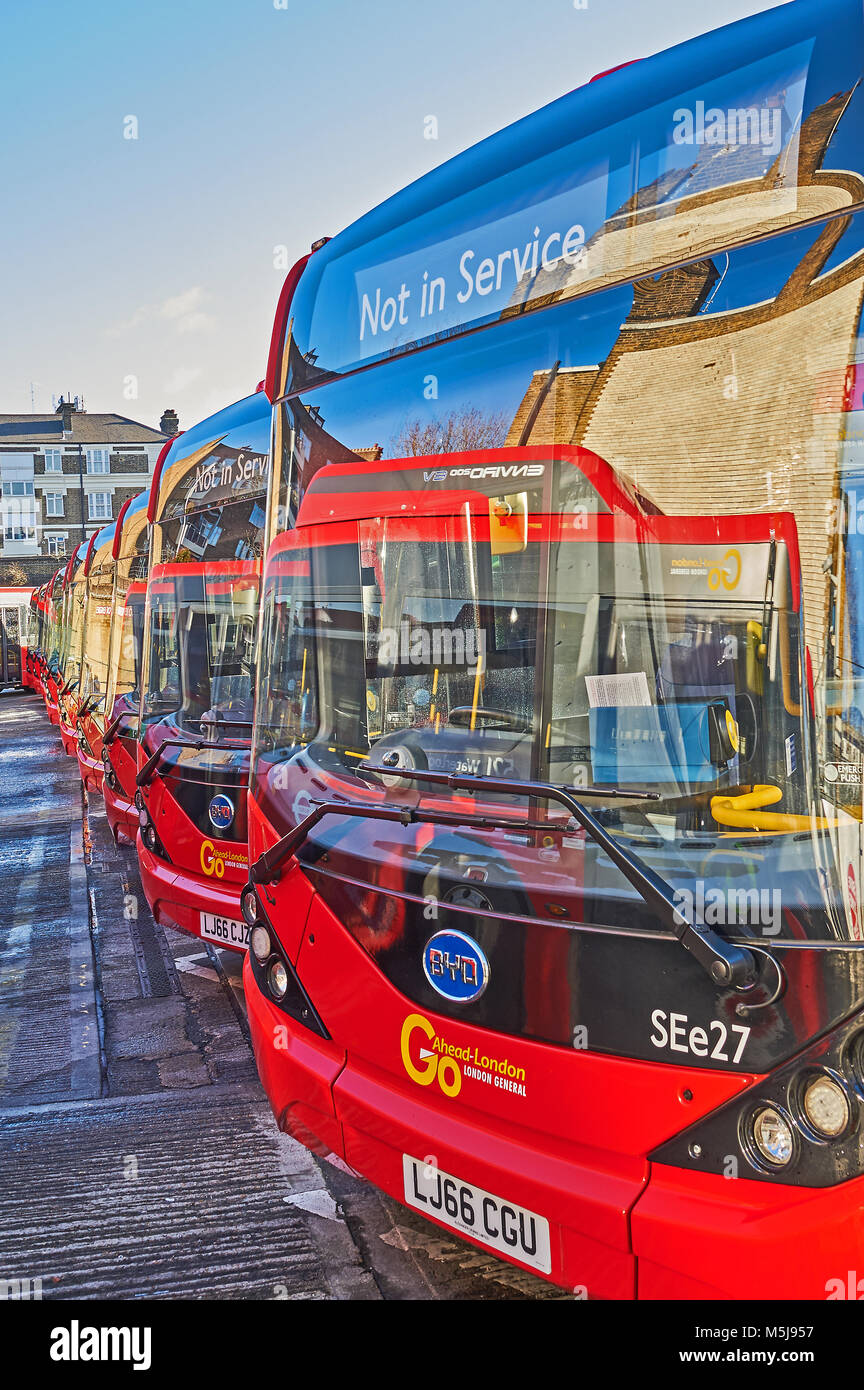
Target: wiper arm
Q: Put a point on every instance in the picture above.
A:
(220, 723)
(725, 963)
(114, 726)
(195, 744)
(267, 866)
(150, 766)
(91, 703)
(229, 723)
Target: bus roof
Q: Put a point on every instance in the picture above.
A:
(100, 541)
(72, 563)
(192, 454)
(132, 518)
(590, 190)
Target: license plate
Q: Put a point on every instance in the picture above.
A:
(511, 1230)
(224, 931)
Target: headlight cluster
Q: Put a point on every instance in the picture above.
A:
(800, 1124)
(273, 972)
(260, 942)
(109, 773)
(773, 1137)
(826, 1106)
(148, 830)
(820, 1109)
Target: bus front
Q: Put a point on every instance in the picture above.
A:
(556, 817)
(30, 644)
(74, 604)
(201, 624)
(32, 649)
(52, 630)
(119, 748)
(93, 687)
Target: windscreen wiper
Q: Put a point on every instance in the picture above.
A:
(113, 727)
(90, 703)
(195, 744)
(219, 722)
(230, 723)
(149, 767)
(267, 867)
(725, 963)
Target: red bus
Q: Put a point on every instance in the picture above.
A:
(556, 796)
(95, 644)
(15, 604)
(207, 517)
(119, 749)
(51, 635)
(32, 649)
(73, 603)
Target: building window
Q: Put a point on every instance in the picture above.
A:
(17, 487)
(54, 504)
(56, 545)
(99, 506)
(98, 461)
(201, 530)
(20, 533)
(53, 461)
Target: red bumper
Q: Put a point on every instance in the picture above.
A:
(371, 1124)
(91, 771)
(692, 1235)
(177, 897)
(703, 1236)
(69, 737)
(122, 815)
(298, 1070)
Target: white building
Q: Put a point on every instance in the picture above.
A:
(65, 475)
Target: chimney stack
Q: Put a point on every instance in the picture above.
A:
(66, 409)
(169, 424)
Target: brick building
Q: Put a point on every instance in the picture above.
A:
(64, 476)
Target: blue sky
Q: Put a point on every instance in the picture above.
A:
(147, 265)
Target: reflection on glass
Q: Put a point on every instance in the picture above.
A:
(613, 538)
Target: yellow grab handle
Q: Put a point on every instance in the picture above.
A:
(743, 813)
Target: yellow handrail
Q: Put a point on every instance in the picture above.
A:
(743, 813)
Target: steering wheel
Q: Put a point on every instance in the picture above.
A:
(748, 723)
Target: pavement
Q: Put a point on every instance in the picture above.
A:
(138, 1154)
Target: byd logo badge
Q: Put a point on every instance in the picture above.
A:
(221, 811)
(455, 966)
